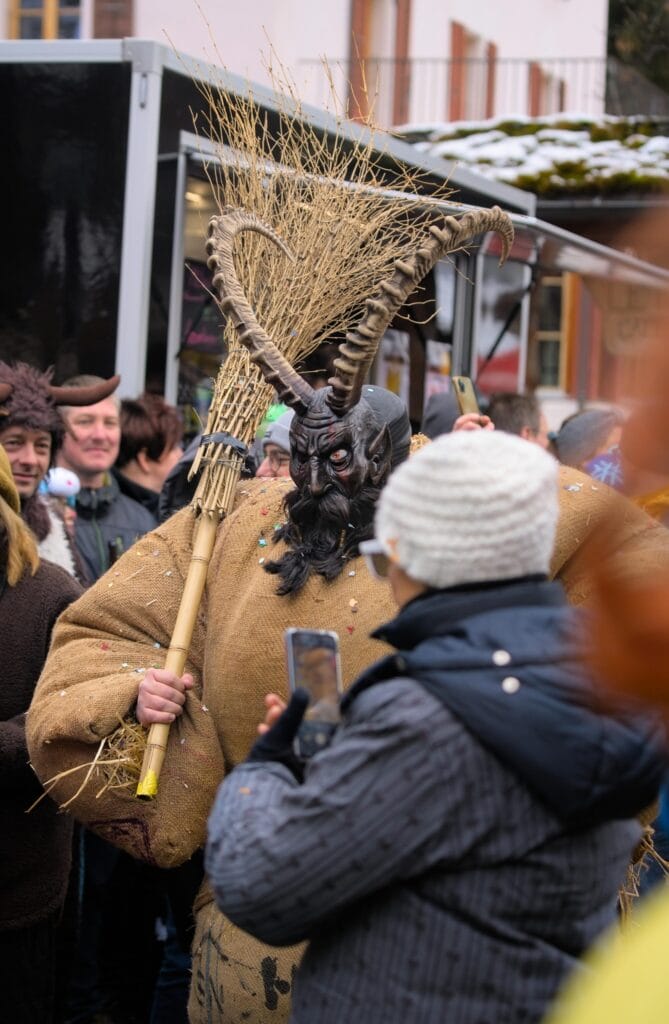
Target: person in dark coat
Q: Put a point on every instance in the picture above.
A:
(463, 840)
(151, 435)
(35, 846)
(108, 521)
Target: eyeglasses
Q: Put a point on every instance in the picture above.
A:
(376, 558)
(277, 460)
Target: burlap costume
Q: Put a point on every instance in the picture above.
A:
(122, 626)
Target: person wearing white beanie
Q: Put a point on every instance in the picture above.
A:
(471, 507)
(463, 839)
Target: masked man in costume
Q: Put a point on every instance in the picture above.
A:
(31, 431)
(286, 556)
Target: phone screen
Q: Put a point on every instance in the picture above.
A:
(313, 665)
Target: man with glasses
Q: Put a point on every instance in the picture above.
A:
(276, 448)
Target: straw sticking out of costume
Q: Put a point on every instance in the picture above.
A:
(117, 762)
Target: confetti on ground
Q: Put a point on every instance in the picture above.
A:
(104, 646)
(573, 487)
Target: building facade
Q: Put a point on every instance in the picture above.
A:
(393, 60)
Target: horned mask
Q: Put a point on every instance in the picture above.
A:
(340, 450)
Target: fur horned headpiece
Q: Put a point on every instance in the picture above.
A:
(29, 399)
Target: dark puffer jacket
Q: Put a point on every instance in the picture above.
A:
(108, 523)
(462, 841)
(35, 847)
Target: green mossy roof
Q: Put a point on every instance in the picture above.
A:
(562, 155)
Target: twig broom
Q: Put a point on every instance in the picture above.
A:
(330, 203)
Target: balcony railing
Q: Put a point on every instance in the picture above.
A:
(420, 89)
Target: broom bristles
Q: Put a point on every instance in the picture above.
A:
(329, 201)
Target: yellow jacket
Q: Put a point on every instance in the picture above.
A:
(629, 981)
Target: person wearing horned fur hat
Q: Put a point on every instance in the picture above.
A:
(31, 430)
(287, 555)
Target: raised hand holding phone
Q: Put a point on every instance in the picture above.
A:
(277, 742)
(465, 394)
(470, 417)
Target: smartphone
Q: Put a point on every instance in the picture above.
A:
(312, 657)
(465, 395)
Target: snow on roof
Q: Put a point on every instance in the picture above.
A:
(555, 155)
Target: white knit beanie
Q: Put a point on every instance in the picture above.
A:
(469, 507)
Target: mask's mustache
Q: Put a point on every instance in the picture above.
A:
(330, 510)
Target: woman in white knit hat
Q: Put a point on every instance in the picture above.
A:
(462, 841)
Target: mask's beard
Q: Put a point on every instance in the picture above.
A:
(322, 533)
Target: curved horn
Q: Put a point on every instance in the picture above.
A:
(89, 394)
(277, 371)
(5, 392)
(357, 352)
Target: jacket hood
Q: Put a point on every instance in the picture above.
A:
(142, 495)
(507, 660)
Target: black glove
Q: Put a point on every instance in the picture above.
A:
(277, 744)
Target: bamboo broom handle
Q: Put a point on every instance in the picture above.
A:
(147, 787)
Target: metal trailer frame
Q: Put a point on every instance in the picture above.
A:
(148, 61)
